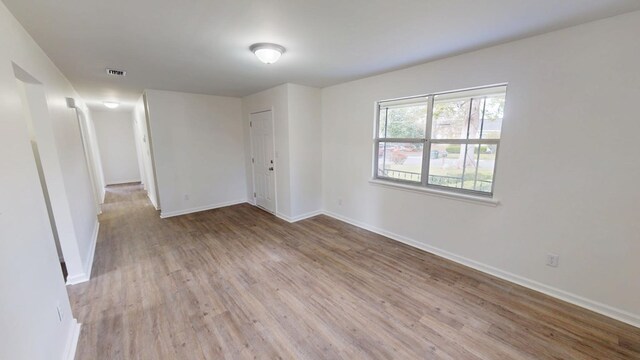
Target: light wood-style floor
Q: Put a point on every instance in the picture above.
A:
(237, 283)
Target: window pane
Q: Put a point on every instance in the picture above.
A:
(445, 167)
(479, 167)
(402, 161)
(493, 114)
(450, 118)
(475, 120)
(472, 114)
(404, 120)
(463, 166)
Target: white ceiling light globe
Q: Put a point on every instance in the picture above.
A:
(111, 104)
(267, 53)
(268, 56)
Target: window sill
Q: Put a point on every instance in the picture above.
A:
(445, 194)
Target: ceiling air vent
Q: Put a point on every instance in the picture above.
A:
(115, 72)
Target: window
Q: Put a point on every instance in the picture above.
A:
(447, 140)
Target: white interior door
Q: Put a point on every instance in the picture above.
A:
(264, 183)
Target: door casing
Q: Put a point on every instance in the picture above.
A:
(255, 124)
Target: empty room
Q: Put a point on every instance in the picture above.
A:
(260, 179)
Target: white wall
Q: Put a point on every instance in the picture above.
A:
(198, 150)
(64, 165)
(139, 145)
(114, 130)
(57, 133)
(305, 149)
(297, 134)
(275, 99)
(143, 141)
(568, 155)
(92, 154)
(31, 280)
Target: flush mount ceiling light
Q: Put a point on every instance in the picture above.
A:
(266, 52)
(111, 104)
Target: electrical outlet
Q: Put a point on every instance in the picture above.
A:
(553, 260)
(60, 312)
(339, 202)
(186, 196)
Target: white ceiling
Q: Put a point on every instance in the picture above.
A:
(201, 46)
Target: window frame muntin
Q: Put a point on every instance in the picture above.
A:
(428, 141)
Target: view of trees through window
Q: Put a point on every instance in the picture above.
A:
(444, 140)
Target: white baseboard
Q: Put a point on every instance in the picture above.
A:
(294, 219)
(169, 214)
(290, 219)
(77, 279)
(120, 182)
(92, 249)
(72, 341)
(606, 310)
(88, 265)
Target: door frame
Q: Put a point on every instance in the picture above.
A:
(275, 161)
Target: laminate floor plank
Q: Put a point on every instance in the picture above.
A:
(239, 283)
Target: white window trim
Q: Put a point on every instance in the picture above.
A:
(424, 186)
(482, 200)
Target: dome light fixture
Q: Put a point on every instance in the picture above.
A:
(266, 52)
(111, 104)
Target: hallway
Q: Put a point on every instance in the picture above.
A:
(238, 283)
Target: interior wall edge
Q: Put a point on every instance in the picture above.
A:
(92, 249)
(155, 206)
(85, 275)
(72, 341)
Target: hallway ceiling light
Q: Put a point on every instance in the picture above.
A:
(266, 52)
(111, 104)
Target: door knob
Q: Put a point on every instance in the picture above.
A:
(271, 168)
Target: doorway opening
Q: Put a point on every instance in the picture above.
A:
(34, 104)
(263, 160)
